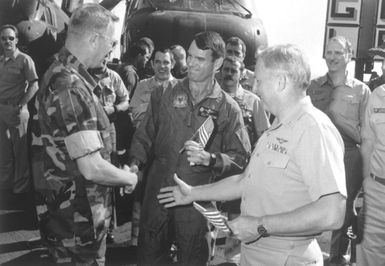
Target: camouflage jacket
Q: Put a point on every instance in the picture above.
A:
(70, 123)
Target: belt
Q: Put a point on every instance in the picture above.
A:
(378, 179)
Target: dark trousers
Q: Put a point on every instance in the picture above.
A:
(14, 161)
(186, 228)
(340, 240)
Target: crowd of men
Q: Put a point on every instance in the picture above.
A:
(174, 129)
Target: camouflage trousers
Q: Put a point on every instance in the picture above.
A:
(73, 223)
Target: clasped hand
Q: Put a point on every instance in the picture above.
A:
(196, 154)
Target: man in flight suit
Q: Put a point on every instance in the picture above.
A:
(172, 118)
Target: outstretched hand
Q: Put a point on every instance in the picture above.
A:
(176, 195)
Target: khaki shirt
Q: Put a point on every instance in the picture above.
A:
(15, 72)
(344, 104)
(294, 163)
(373, 129)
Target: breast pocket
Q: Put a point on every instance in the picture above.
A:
(276, 160)
(378, 120)
(347, 105)
(12, 75)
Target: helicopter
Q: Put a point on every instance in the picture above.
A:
(42, 24)
(169, 22)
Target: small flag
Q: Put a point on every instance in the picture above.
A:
(205, 131)
(203, 134)
(214, 217)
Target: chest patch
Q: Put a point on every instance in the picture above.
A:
(180, 101)
(277, 147)
(206, 112)
(379, 110)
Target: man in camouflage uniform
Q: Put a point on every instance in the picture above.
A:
(72, 146)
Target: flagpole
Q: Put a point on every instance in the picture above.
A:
(196, 132)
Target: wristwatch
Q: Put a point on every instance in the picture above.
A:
(262, 231)
(213, 159)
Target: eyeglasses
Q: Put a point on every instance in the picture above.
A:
(11, 38)
(113, 42)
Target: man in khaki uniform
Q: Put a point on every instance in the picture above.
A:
(371, 250)
(18, 84)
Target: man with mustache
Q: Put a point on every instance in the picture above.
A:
(254, 115)
(236, 47)
(256, 122)
(344, 100)
(18, 84)
(72, 145)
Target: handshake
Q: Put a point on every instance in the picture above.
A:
(130, 188)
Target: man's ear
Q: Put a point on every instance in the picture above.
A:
(93, 39)
(282, 81)
(218, 63)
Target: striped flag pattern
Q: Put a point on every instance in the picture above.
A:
(205, 131)
(214, 217)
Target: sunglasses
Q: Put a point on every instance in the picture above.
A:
(11, 38)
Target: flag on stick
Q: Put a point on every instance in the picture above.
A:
(205, 131)
(214, 217)
(203, 134)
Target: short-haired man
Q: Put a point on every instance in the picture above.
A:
(288, 196)
(162, 65)
(180, 68)
(134, 59)
(165, 135)
(72, 145)
(236, 47)
(343, 99)
(18, 84)
(254, 115)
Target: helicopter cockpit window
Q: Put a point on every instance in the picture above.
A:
(221, 6)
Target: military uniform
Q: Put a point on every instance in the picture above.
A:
(15, 72)
(73, 212)
(246, 81)
(371, 249)
(142, 95)
(284, 174)
(256, 122)
(254, 116)
(111, 91)
(345, 104)
(172, 119)
(376, 82)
